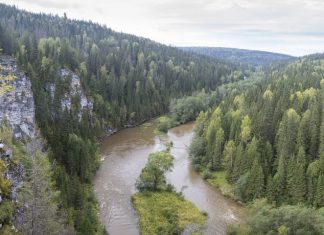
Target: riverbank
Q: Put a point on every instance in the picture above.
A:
(218, 180)
(109, 131)
(123, 157)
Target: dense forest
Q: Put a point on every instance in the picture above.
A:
(241, 56)
(265, 131)
(128, 79)
(269, 138)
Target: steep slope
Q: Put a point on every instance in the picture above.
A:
(19, 141)
(119, 70)
(17, 111)
(241, 56)
(16, 99)
(268, 137)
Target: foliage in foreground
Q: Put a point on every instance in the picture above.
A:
(166, 213)
(38, 210)
(284, 220)
(7, 205)
(40, 213)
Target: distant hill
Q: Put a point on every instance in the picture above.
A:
(242, 56)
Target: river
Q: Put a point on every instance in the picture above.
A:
(123, 157)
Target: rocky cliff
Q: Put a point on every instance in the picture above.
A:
(75, 90)
(16, 99)
(17, 110)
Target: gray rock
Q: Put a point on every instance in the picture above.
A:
(17, 106)
(75, 90)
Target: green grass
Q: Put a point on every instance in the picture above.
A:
(167, 213)
(5, 89)
(9, 77)
(218, 180)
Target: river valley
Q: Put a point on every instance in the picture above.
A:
(123, 157)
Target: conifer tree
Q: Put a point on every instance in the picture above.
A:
(279, 180)
(251, 154)
(296, 179)
(319, 195)
(287, 135)
(312, 175)
(229, 155)
(270, 190)
(255, 186)
(246, 129)
(267, 158)
(218, 149)
(238, 169)
(314, 131)
(40, 213)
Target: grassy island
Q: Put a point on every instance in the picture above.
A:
(161, 210)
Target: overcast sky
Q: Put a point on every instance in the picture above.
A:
(294, 27)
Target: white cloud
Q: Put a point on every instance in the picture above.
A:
(287, 26)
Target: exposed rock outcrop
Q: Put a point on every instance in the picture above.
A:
(75, 90)
(17, 104)
(18, 110)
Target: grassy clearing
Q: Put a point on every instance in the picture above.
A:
(167, 213)
(218, 180)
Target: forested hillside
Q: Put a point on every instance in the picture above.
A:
(266, 136)
(269, 137)
(241, 56)
(124, 80)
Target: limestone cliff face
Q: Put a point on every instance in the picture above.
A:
(16, 98)
(18, 110)
(16, 101)
(75, 90)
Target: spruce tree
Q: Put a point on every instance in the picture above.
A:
(312, 174)
(319, 195)
(279, 180)
(255, 185)
(252, 153)
(40, 213)
(238, 162)
(296, 182)
(270, 190)
(218, 149)
(229, 156)
(287, 135)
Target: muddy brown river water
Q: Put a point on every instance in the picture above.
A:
(123, 157)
